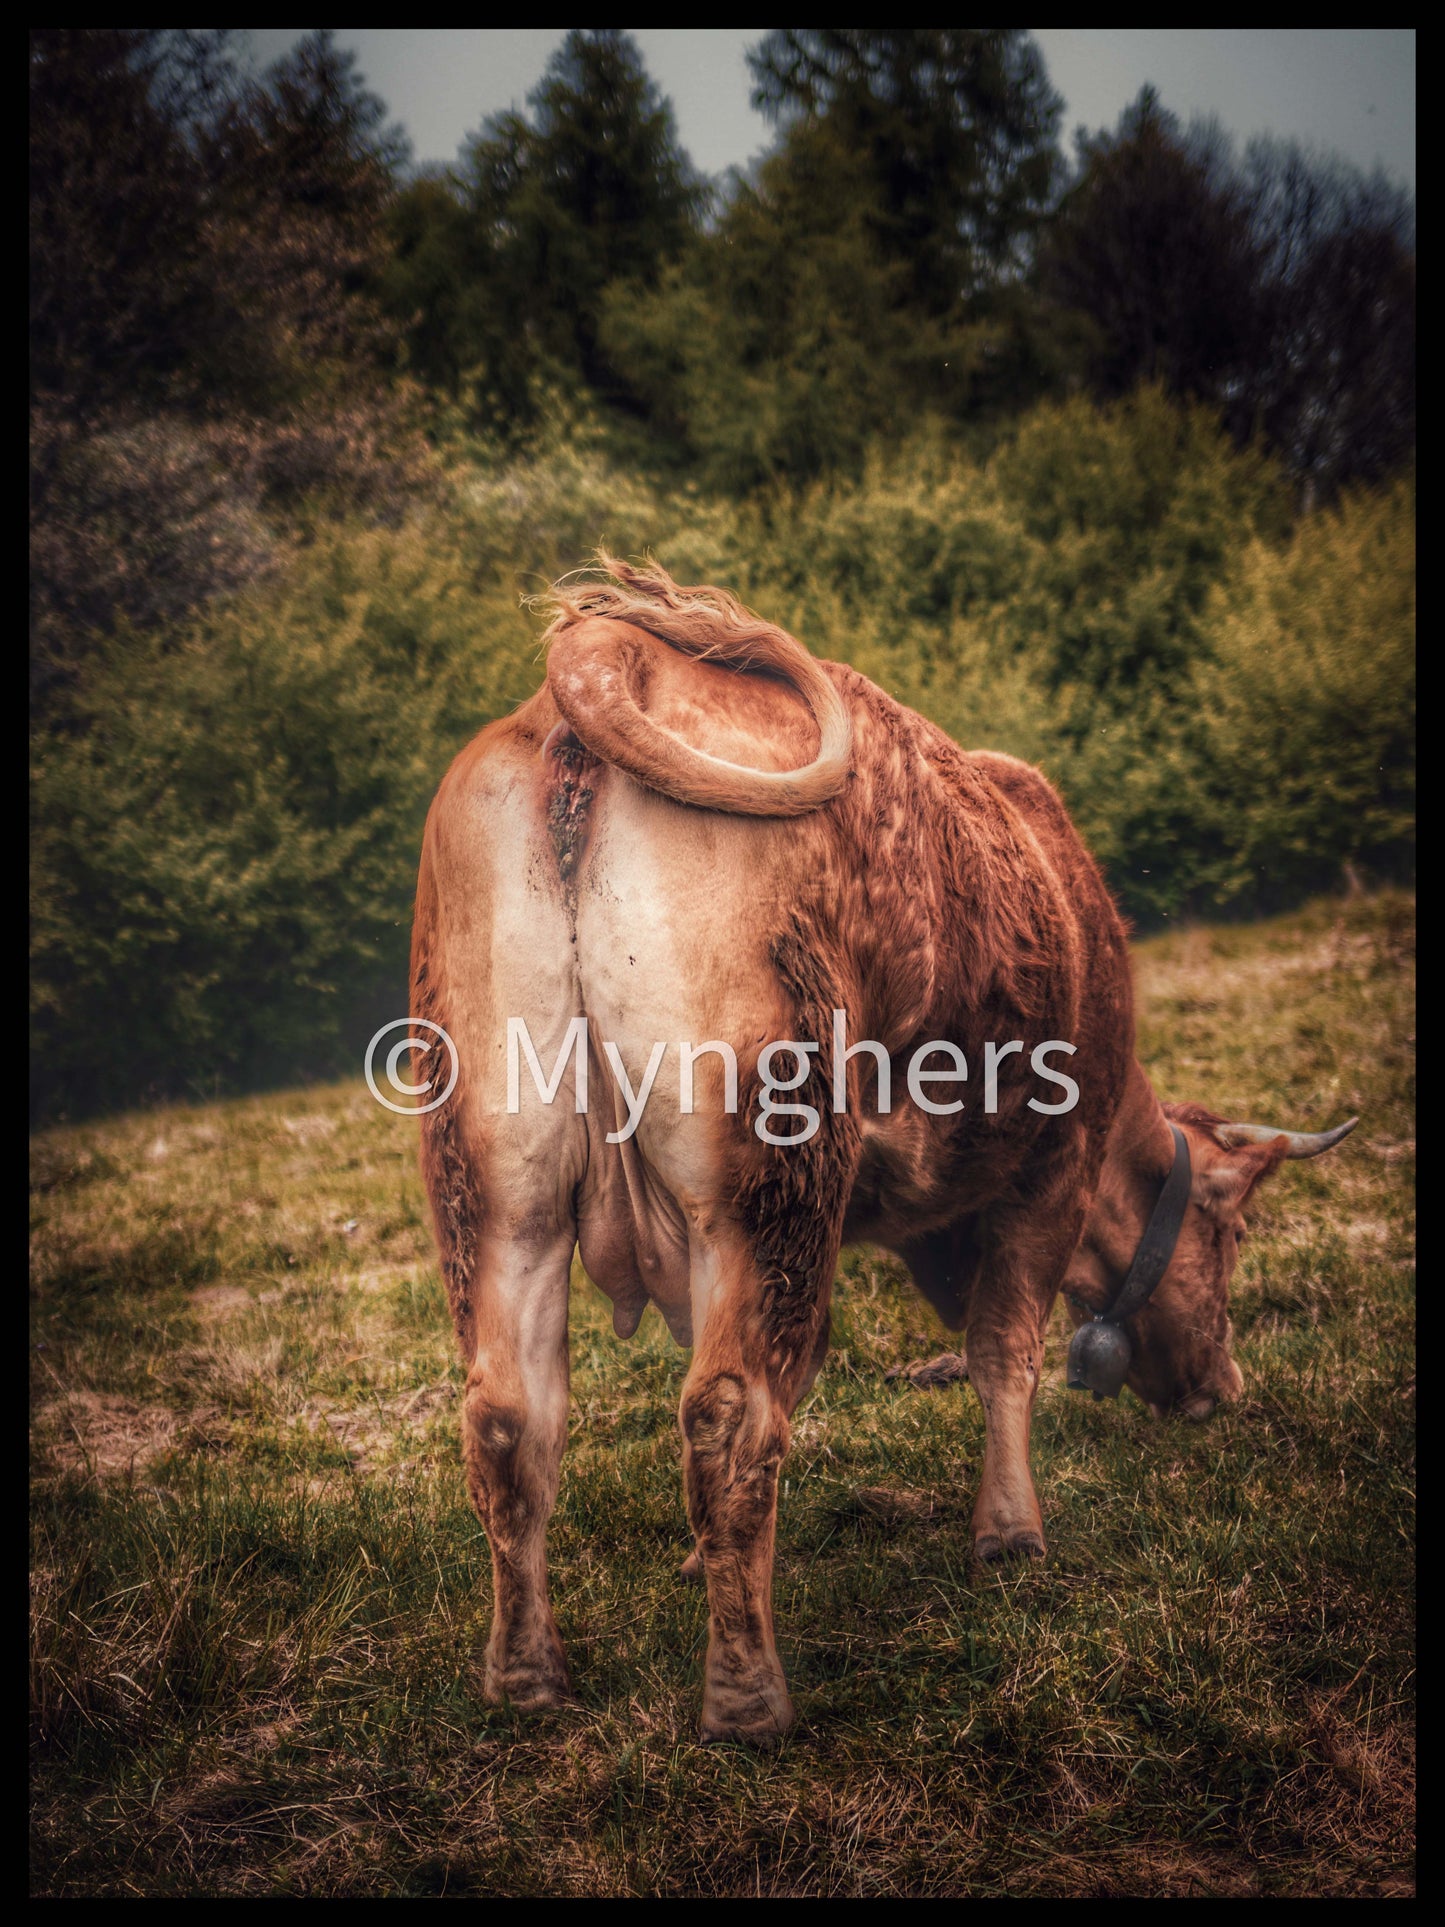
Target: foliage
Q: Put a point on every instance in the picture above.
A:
(1332, 386)
(784, 343)
(226, 827)
(503, 274)
(121, 265)
(230, 806)
(433, 287)
(198, 239)
(955, 128)
(139, 522)
(1309, 699)
(1281, 289)
(1153, 242)
(862, 278)
(208, 359)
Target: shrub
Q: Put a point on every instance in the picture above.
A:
(226, 830)
(1309, 703)
(228, 806)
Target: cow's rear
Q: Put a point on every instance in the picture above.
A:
(698, 837)
(556, 887)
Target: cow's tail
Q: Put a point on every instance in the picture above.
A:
(590, 668)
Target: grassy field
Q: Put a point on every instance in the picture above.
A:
(259, 1597)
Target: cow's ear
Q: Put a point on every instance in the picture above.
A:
(1223, 1180)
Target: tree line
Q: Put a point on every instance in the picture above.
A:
(913, 243)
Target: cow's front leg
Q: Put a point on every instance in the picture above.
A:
(514, 1427)
(1005, 1357)
(758, 1351)
(1007, 1316)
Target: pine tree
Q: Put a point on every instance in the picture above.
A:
(959, 127)
(593, 187)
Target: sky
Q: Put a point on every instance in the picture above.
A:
(1346, 89)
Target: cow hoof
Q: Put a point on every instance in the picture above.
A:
(529, 1689)
(760, 1733)
(531, 1698)
(691, 1568)
(990, 1548)
(757, 1718)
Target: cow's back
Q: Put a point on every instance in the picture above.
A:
(939, 896)
(1106, 1014)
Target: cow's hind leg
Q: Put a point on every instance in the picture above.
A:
(691, 1568)
(494, 941)
(763, 1333)
(514, 1426)
(501, 1201)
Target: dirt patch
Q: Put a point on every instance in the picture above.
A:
(948, 1368)
(114, 1438)
(370, 1434)
(217, 1300)
(892, 1505)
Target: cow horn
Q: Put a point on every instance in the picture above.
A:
(1302, 1144)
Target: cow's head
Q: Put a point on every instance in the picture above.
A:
(1181, 1339)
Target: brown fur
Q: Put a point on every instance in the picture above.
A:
(448, 1171)
(694, 816)
(791, 1200)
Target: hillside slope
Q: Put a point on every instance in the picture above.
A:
(259, 1597)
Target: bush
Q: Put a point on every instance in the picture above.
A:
(229, 807)
(227, 827)
(147, 519)
(1309, 703)
(139, 522)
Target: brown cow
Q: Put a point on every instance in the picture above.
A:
(697, 833)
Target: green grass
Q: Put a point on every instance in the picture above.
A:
(259, 1597)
